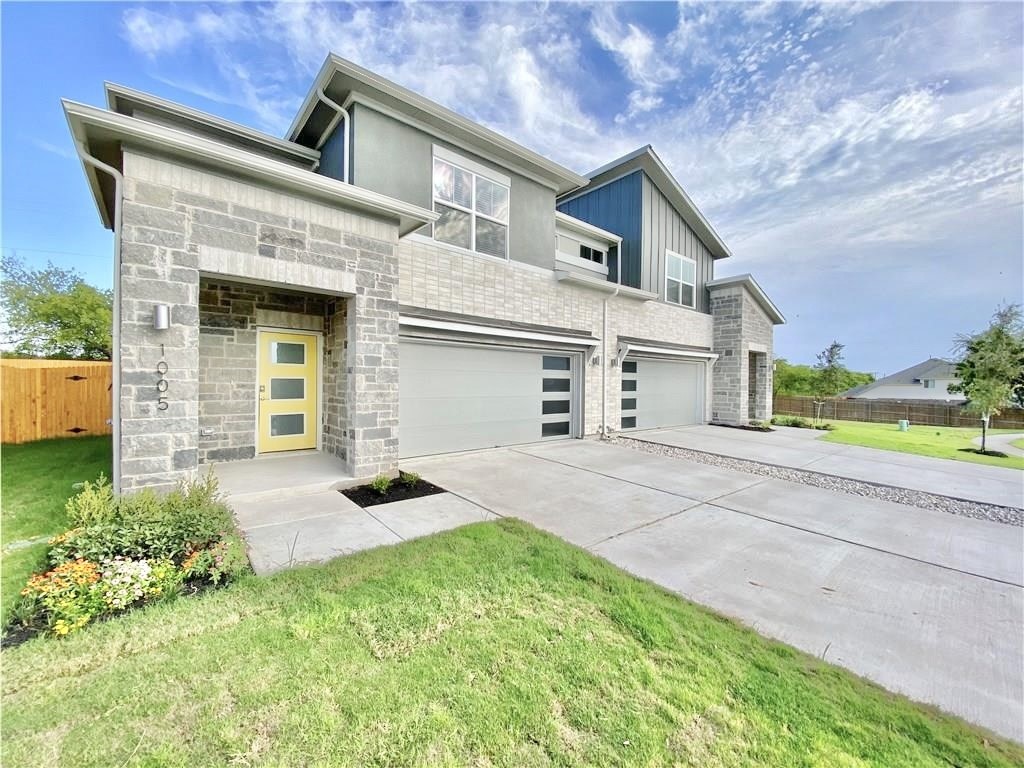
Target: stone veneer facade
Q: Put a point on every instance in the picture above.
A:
(743, 340)
(181, 222)
(230, 256)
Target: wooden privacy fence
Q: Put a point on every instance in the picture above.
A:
(932, 414)
(54, 398)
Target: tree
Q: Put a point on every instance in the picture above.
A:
(53, 312)
(800, 380)
(829, 375)
(990, 370)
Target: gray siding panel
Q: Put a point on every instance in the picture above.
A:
(664, 229)
(616, 207)
(395, 159)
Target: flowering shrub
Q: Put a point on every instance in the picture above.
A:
(67, 595)
(129, 550)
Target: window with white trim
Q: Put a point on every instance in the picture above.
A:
(473, 208)
(680, 279)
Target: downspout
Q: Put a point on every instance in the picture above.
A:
(339, 113)
(115, 336)
(604, 362)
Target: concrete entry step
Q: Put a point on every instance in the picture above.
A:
(280, 475)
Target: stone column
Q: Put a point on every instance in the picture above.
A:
(159, 381)
(372, 360)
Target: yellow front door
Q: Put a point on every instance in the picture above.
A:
(287, 391)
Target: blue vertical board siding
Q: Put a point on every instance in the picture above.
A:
(617, 207)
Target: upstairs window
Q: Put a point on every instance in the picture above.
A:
(591, 254)
(473, 207)
(680, 279)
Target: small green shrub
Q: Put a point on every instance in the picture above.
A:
(95, 503)
(792, 421)
(381, 484)
(409, 479)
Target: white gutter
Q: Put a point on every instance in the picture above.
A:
(115, 336)
(339, 113)
(604, 361)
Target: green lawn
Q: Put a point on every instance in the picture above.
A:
(1019, 443)
(36, 480)
(491, 645)
(940, 442)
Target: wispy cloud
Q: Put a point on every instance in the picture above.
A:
(820, 138)
(53, 149)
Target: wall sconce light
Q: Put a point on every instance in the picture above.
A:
(161, 317)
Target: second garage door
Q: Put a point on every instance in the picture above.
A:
(661, 393)
(458, 397)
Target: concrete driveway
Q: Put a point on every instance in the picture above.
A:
(803, 449)
(925, 603)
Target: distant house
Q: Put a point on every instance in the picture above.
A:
(929, 380)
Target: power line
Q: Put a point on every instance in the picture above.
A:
(14, 249)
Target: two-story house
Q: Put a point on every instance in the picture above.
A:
(393, 280)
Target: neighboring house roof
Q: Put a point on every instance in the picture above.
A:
(748, 282)
(100, 133)
(647, 160)
(344, 82)
(931, 369)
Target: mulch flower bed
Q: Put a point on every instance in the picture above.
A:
(747, 427)
(399, 490)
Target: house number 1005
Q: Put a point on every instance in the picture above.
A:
(161, 385)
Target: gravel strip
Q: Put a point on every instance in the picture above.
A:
(933, 501)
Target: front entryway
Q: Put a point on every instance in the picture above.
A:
(459, 397)
(288, 385)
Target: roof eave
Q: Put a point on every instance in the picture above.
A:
(83, 118)
(747, 281)
(565, 179)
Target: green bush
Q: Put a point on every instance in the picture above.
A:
(381, 484)
(792, 421)
(128, 550)
(409, 479)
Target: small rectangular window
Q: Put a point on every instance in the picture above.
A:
(554, 429)
(629, 403)
(680, 279)
(285, 424)
(287, 389)
(628, 422)
(287, 353)
(591, 254)
(629, 385)
(629, 366)
(556, 385)
(556, 363)
(554, 406)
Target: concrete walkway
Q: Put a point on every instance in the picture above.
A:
(1001, 442)
(925, 603)
(802, 449)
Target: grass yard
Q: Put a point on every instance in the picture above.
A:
(491, 645)
(1018, 443)
(939, 442)
(36, 481)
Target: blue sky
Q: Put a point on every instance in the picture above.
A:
(863, 161)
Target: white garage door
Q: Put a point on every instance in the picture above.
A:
(661, 393)
(456, 397)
